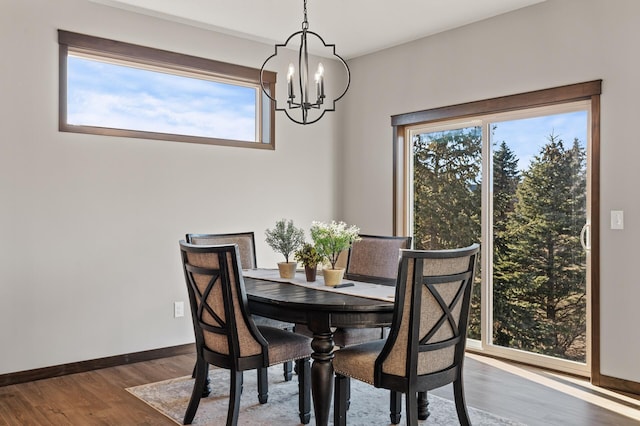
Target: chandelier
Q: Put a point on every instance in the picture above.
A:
(306, 101)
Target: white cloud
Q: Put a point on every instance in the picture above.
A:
(206, 117)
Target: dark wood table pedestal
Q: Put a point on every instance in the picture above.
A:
(322, 366)
(322, 376)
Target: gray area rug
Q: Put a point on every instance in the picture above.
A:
(369, 406)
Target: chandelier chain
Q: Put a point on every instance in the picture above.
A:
(305, 23)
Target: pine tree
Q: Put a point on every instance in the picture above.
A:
(543, 269)
(447, 188)
(506, 178)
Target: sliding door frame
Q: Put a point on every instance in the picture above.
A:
(589, 91)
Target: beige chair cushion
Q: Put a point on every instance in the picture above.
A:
(358, 361)
(285, 346)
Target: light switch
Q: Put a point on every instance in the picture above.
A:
(178, 309)
(617, 219)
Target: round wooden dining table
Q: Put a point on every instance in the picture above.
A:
(321, 311)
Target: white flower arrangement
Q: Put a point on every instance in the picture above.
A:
(331, 239)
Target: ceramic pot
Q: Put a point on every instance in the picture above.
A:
(310, 272)
(287, 269)
(332, 277)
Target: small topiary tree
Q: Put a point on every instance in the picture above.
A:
(285, 238)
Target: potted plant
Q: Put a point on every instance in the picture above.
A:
(285, 238)
(330, 240)
(310, 258)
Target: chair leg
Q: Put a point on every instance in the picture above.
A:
(287, 368)
(200, 373)
(423, 406)
(411, 401)
(461, 405)
(234, 398)
(304, 390)
(263, 385)
(341, 384)
(348, 397)
(207, 384)
(395, 407)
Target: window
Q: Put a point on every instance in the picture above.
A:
(520, 175)
(119, 89)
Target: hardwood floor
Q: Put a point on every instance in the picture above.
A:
(528, 395)
(92, 398)
(541, 398)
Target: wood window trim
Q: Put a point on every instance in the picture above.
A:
(590, 90)
(118, 50)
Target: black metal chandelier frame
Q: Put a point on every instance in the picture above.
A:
(303, 78)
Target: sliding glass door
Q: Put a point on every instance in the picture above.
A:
(517, 182)
(447, 192)
(539, 193)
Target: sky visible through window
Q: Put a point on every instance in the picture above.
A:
(526, 137)
(109, 95)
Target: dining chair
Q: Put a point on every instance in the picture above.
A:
(246, 242)
(247, 246)
(373, 259)
(426, 344)
(226, 334)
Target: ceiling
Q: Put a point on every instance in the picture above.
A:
(356, 27)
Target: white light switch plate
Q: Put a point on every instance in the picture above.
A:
(617, 219)
(178, 309)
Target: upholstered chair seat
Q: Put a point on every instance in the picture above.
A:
(284, 346)
(358, 361)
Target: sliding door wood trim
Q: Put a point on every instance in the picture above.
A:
(591, 91)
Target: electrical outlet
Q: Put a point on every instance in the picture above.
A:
(178, 309)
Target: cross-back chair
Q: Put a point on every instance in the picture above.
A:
(226, 335)
(246, 242)
(426, 343)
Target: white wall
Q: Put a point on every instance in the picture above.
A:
(89, 225)
(554, 43)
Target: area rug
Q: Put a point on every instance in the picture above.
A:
(369, 406)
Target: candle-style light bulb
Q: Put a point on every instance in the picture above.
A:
(320, 80)
(290, 73)
(318, 89)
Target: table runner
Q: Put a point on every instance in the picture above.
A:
(361, 289)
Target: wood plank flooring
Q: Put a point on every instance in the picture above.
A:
(540, 398)
(531, 396)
